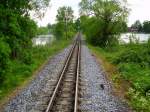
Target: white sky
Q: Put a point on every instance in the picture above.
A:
(139, 10)
(51, 13)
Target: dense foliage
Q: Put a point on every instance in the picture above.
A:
(146, 26)
(102, 20)
(134, 63)
(137, 25)
(16, 31)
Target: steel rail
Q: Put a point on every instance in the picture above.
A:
(50, 104)
(77, 78)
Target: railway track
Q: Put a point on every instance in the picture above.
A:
(65, 94)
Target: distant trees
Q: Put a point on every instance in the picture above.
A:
(137, 25)
(141, 27)
(64, 28)
(64, 14)
(146, 26)
(104, 19)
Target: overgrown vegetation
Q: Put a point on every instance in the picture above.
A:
(133, 63)
(17, 31)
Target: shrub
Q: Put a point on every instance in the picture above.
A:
(137, 54)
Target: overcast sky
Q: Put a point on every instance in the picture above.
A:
(139, 10)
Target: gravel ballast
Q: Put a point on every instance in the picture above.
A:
(35, 97)
(96, 91)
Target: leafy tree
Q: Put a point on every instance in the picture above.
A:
(137, 25)
(17, 29)
(24, 7)
(65, 14)
(59, 30)
(146, 26)
(65, 26)
(109, 14)
(78, 25)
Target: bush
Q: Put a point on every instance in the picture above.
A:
(138, 101)
(137, 54)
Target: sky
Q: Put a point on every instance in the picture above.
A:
(139, 10)
(50, 15)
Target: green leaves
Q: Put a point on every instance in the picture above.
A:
(65, 14)
(16, 32)
(109, 18)
(146, 26)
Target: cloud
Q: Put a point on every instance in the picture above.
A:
(139, 10)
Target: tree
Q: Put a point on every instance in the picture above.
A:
(65, 14)
(77, 24)
(17, 29)
(137, 25)
(146, 26)
(24, 7)
(110, 14)
(65, 25)
(16, 25)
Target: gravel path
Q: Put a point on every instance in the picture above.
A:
(96, 91)
(36, 95)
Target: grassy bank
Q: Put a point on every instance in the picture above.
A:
(19, 72)
(128, 67)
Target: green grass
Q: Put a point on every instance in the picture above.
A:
(19, 72)
(132, 63)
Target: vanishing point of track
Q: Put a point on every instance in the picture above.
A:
(65, 94)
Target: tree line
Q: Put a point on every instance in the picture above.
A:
(141, 27)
